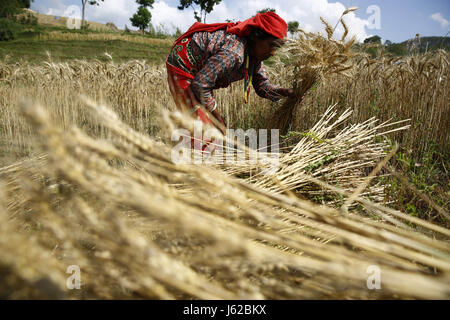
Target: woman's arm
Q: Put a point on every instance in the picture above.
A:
(216, 67)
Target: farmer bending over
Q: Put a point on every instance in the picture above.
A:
(212, 56)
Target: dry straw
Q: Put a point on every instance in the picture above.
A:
(64, 36)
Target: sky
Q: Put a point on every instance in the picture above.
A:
(394, 20)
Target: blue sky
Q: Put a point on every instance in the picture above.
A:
(402, 19)
(395, 20)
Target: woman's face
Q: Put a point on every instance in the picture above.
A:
(264, 49)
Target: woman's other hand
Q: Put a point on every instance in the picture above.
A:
(286, 92)
(290, 93)
(218, 116)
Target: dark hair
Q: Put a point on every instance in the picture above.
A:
(260, 34)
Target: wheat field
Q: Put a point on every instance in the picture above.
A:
(87, 179)
(64, 36)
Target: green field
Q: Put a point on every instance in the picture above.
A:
(33, 43)
(35, 51)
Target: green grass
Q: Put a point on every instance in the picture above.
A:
(27, 47)
(35, 51)
(429, 175)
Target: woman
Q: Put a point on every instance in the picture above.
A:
(212, 56)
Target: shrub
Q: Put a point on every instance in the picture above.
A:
(8, 30)
(85, 27)
(178, 33)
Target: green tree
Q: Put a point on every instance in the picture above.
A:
(141, 19)
(9, 8)
(267, 10)
(25, 3)
(397, 49)
(83, 7)
(206, 7)
(145, 3)
(8, 29)
(178, 33)
(374, 39)
(293, 27)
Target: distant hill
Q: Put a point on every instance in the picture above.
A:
(429, 43)
(56, 21)
(38, 35)
(416, 45)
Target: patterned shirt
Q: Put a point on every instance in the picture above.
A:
(219, 60)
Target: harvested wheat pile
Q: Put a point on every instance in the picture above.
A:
(339, 156)
(140, 226)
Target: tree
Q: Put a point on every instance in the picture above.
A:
(141, 19)
(8, 29)
(293, 27)
(11, 7)
(206, 6)
(267, 10)
(374, 39)
(145, 3)
(178, 33)
(25, 3)
(397, 49)
(83, 7)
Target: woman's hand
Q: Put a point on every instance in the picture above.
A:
(290, 93)
(286, 92)
(218, 116)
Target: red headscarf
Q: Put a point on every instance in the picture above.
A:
(270, 22)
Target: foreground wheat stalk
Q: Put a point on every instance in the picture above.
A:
(140, 226)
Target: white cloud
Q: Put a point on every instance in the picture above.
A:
(307, 12)
(118, 11)
(171, 17)
(439, 18)
(51, 7)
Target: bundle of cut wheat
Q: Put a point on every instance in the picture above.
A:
(311, 58)
(341, 157)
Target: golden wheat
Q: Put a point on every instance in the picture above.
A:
(311, 58)
(65, 36)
